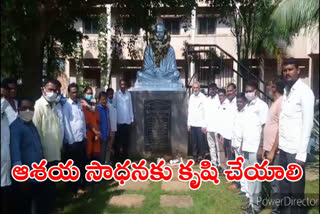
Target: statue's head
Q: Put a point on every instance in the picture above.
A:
(160, 31)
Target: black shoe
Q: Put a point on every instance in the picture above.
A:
(241, 193)
(245, 199)
(247, 211)
(246, 206)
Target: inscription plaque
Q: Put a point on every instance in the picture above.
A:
(157, 122)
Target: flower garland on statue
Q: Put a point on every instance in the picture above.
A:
(159, 48)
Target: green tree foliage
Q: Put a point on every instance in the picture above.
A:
(143, 13)
(102, 47)
(33, 30)
(257, 33)
(296, 14)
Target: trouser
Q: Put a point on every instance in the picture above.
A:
(222, 154)
(122, 140)
(104, 150)
(254, 187)
(29, 197)
(110, 143)
(7, 204)
(288, 189)
(275, 189)
(227, 148)
(243, 181)
(77, 152)
(50, 191)
(196, 142)
(213, 147)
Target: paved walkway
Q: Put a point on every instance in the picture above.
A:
(136, 200)
(174, 193)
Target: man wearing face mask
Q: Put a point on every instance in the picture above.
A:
(113, 121)
(256, 114)
(6, 198)
(47, 121)
(211, 108)
(196, 121)
(25, 149)
(295, 125)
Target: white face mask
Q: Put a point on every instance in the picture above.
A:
(26, 115)
(250, 96)
(50, 96)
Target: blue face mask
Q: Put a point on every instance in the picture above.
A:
(109, 100)
(88, 97)
(196, 93)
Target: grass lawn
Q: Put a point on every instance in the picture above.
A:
(209, 198)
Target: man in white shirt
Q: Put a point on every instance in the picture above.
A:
(196, 121)
(5, 152)
(123, 103)
(256, 116)
(113, 121)
(211, 109)
(295, 125)
(231, 92)
(224, 129)
(75, 135)
(237, 136)
(48, 124)
(12, 110)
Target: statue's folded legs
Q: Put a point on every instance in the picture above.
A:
(144, 77)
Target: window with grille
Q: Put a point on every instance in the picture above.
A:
(207, 25)
(129, 28)
(91, 25)
(172, 25)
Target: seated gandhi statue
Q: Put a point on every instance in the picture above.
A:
(159, 67)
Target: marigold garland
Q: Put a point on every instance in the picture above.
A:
(159, 48)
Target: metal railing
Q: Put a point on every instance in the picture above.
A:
(213, 64)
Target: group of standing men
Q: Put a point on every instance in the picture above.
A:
(243, 125)
(57, 129)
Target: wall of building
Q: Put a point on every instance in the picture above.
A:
(303, 45)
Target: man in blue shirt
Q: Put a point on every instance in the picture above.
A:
(104, 125)
(25, 149)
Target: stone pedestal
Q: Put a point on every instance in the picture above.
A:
(160, 123)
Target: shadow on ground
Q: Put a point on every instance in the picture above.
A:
(94, 201)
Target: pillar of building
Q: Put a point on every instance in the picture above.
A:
(193, 33)
(109, 51)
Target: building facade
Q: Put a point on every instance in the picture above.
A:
(202, 27)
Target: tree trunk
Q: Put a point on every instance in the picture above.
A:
(32, 57)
